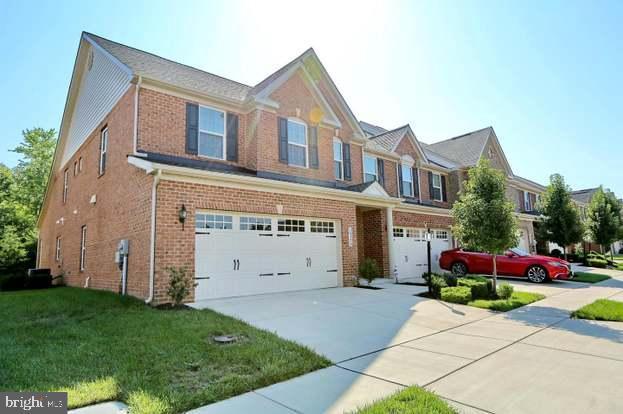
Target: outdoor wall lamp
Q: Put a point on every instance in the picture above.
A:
(182, 215)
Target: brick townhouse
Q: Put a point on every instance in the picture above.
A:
(252, 189)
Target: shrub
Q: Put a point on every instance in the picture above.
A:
(451, 279)
(368, 269)
(479, 288)
(597, 263)
(505, 291)
(457, 294)
(12, 282)
(436, 284)
(180, 284)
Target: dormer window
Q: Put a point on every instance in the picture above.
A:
(297, 143)
(369, 168)
(338, 159)
(211, 133)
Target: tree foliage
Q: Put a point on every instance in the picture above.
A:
(21, 194)
(560, 221)
(484, 218)
(603, 221)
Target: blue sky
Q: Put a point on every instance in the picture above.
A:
(546, 75)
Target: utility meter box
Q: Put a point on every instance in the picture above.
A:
(123, 249)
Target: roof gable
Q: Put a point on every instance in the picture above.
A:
(391, 140)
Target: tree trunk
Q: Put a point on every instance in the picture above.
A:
(495, 274)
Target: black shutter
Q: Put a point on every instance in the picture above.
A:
(380, 171)
(416, 183)
(313, 147)
(283, 140)
(232, 137)
(400, 189)
(431, 196)
(444, 195)
(192, 128)
(346, 161)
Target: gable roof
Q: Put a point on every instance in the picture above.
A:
(464, 149)
(390, 140)
(371, 129)
(154, 67)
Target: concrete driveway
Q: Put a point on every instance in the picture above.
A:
(532, 359)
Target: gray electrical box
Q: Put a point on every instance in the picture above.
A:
(123, 249)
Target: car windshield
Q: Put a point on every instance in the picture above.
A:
(518, 252)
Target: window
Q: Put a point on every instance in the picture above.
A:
(407, 180)
(75, 168)
(369, 168)
(103, 150)
(321, 227)
(212, 221)
(83, 247)
(398, 232)
(58, 249)
(80, 164)
(413, 233)
(441, 235)
(526, 201)
(211, 133)
(255, 223)
(297, 143)
(436, 187)
(65, 185)
(338, 162)
(291, 225)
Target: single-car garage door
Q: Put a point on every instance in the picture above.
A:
(245, 254)
(410, 249)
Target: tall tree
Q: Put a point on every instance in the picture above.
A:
(484, 218)
(603, 220)
(560, 221)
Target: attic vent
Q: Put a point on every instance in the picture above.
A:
(90, 60)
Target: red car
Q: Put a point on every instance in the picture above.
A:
(515, 262)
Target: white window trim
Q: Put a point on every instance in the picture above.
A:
(103, 149)
(58, 249)
(306, 146)
(376, 168)
(223, 135)
(341, 160)
(440, 188)
(83, 247)
(65, 185)
(409, 167)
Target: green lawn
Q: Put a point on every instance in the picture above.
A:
(518, 299)
(588, 277)
(99, 346)
(412, 400)
(601, 310)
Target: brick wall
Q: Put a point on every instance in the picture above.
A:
(404, 219)
(375, 238)
(176, 247)
(122, 211)
(425, 190)
(391, 179)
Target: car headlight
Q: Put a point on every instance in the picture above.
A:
(556, 264)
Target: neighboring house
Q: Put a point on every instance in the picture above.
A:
(253, 189)
(582, 199)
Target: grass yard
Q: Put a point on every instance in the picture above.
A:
(98, 346)
(517, 300)
(412, 400)
(588, 277)
(601, 310)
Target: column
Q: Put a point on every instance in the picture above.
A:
(390, 241)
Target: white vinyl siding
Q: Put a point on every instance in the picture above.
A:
(99, 90)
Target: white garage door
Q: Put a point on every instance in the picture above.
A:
(410, 251)
(245, 254)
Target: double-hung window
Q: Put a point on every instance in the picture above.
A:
(211, 133)
(83, 247)
(103, 150)
(436, 187)
(369, 168)
(58, 249)
(338, 161)
(65, 185)
(526, 201)
(407, 180)
(297, 143)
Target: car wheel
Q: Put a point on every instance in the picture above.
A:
(459, 269)
(536, 274)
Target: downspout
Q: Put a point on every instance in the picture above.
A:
(135, 137)
(152, 246)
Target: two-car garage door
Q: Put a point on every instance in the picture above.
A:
(245, 254)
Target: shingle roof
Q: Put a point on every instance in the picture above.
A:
(583, 196)
(267, 81)
(437, 158)
(371, 129)
(157, 68)
(388, 140)
(465, 149)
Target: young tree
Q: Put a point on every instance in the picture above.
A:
(484, 218)
(560, 221)
(603, 222)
